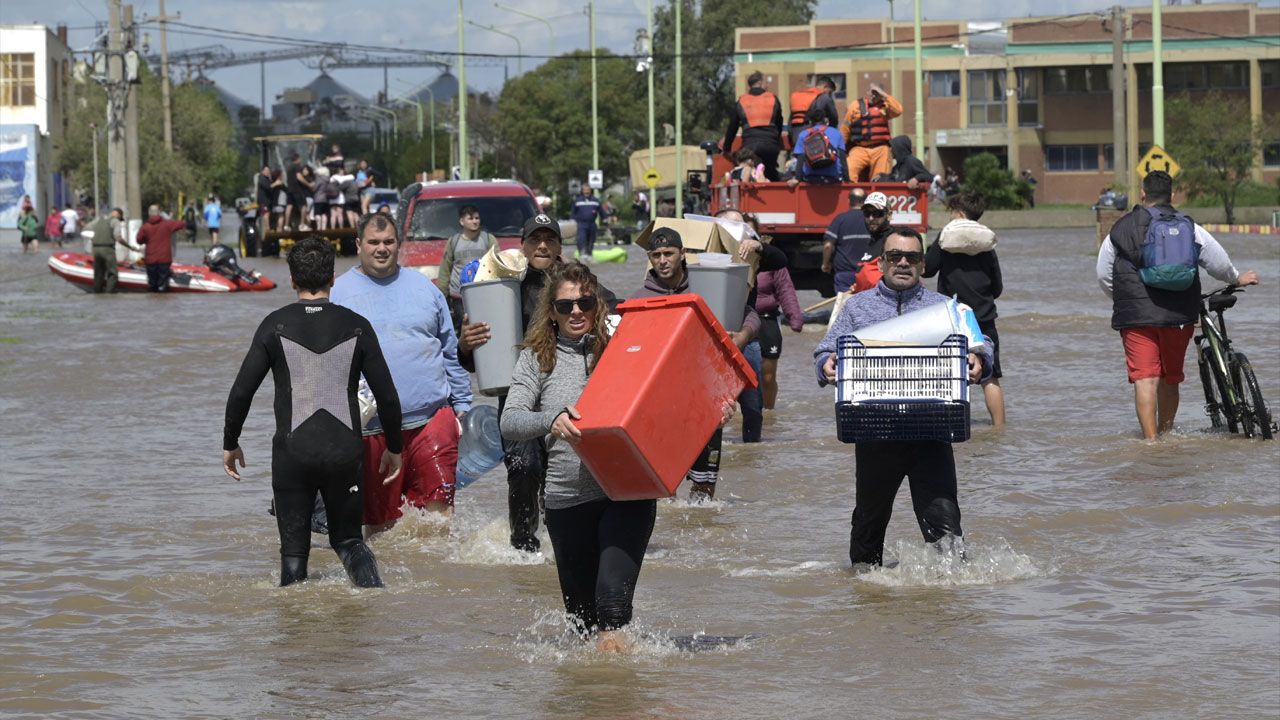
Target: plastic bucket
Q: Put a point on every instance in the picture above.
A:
(724, 288)
(496, 302)
(926, 326)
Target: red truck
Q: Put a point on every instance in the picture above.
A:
(798, 217)
(428, 216)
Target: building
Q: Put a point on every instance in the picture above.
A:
(35, 79)
(1036, 92)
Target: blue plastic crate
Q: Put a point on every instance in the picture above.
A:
(876, 421)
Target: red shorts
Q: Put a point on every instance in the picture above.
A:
(430, 459)
(1156, 352)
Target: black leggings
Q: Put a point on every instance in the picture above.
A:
(526, 462)
(599, 547)
(294, 486)
(931, 467)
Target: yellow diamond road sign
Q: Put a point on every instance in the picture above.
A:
(653, 177)
(1157, 159)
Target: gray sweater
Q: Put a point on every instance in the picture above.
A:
(535, 400)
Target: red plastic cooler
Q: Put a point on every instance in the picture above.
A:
(654, 399)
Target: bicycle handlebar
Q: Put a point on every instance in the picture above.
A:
(1226, 290)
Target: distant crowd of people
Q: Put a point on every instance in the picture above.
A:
(299, 197)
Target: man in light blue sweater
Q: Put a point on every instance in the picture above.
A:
(881, 466)
(411, 318)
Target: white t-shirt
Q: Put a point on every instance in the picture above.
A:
(70, 222)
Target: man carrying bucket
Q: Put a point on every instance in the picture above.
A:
(881, 466)
(526, 460)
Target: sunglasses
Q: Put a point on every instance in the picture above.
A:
(873, 213)
(895, 256)
(586, 304)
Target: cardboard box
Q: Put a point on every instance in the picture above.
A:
(698, 236)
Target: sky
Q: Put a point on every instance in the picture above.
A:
(432, 25)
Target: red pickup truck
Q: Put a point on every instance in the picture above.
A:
(428, 216)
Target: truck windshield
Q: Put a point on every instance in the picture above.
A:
(438, 217)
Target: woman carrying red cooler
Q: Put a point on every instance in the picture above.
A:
(599, 543)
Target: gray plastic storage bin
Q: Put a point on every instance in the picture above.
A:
(724, 289)
(496, 302)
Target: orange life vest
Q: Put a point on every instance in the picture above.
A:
(868, 275)
(758, 108)
(871, 128)
(801, 101)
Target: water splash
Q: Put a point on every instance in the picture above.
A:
(951, 562)
(553, 637)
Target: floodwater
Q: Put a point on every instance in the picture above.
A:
(1106, 576)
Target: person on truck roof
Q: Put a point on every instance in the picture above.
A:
(818, 162)
(908, 168)
(748, 169)
(818, 96)
(759, 114)
(866, 133)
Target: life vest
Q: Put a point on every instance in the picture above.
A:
(801, 101)
(758, 108)
(871, 128)
(868, 275)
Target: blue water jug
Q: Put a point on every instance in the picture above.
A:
(480, 447)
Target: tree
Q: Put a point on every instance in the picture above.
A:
(204, 160)
(1001, 189)
(707, 36)
(1216, 140)
(544, 118)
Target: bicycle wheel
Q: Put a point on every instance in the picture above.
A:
(1253, 409)
(1229, 409)
(1212, 405)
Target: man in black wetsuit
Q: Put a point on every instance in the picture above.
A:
(316, 352)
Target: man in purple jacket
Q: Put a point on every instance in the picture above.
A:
(881, 466)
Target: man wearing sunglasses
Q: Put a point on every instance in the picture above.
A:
(526, 460)
(881, 466)
(878, 217)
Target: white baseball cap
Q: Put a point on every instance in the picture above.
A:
(876, 200)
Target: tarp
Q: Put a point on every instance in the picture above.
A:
(18, 145)
(665, 162)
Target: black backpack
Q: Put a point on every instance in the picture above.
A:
(818, 152)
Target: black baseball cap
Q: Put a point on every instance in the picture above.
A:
(665, 237)
(541, 221)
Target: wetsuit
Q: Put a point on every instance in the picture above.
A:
(316, 352)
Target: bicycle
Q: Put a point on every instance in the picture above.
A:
(1230, 388)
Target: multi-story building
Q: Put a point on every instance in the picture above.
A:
(1036, 92)
(35, 82)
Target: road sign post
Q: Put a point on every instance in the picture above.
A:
(652, 177)
(1157, 159)
(595, 178)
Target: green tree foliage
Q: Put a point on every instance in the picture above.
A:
(1002, 189)
(544, 119)
(707, 30)
(1216, 140)
(204, 160)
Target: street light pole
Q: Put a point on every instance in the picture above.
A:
(395, 121)
(653, 158)
(595, 115)
(678, 5)
(519, 52)
(432, 93)
(464, 156)
(920, 146)
(1157, 76)
(550, 30)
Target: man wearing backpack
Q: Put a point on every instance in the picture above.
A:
(469, 243)
(818, 151)
(1149, 266)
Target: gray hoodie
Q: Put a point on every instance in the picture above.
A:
(535, 400)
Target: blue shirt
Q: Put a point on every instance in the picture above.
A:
(851, 237)
(212, 215)
(415, 330)
(586, 209)
(835, 169)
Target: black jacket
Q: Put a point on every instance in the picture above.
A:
(1133, 302)
(974, 280)
(907, 165)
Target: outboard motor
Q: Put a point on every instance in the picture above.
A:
(222, 260)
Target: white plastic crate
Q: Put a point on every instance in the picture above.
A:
(916, 373)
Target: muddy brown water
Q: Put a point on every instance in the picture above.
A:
(1107, 576)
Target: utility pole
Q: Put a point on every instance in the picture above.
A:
(116, 174)
(595, 115)
(1119, 156)
(893, 68)
(133, 169)
(97, 203)
(920, 146)
(678, 5)
(464, 158)
(164, 77)
(1157, 76)
(653, 159)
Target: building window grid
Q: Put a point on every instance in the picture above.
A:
(1029, 97)
(1077, 80)
(17, 79)
(944, 83)
(1271, 155)
(1270, 72)
(1181, 77)
(1071, 158)
(986, 98)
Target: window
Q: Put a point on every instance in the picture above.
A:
(1029, 97)
(1270, 71)
(1109, 157)
(1072, 80)
(944, 83)
(1271, 155)
(838, 79)
(1071, 158)
(1228, 75)
(986, 97)
(18, 79)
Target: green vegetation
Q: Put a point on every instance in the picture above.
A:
(204, 155)
(1250, 194)
(1216, 141)
(1002, 189)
